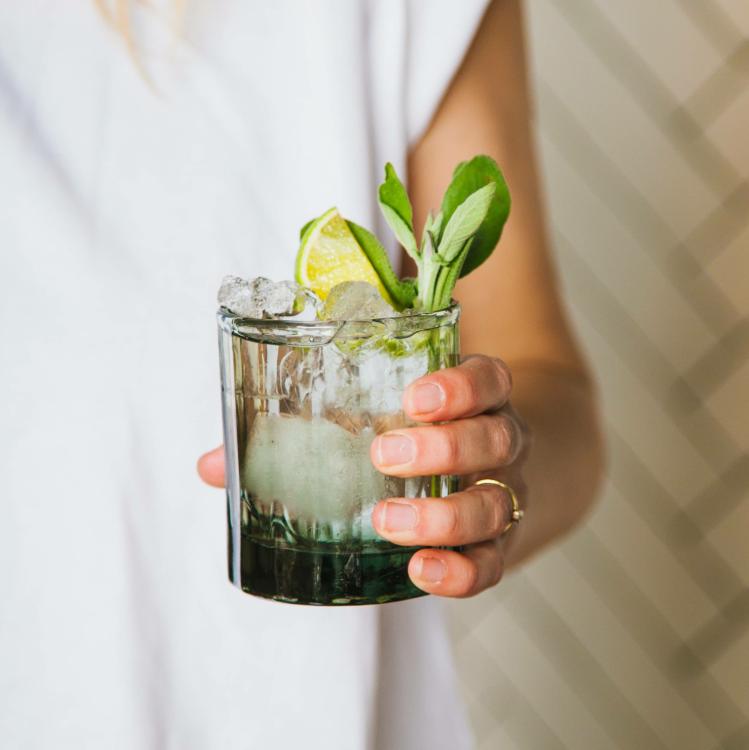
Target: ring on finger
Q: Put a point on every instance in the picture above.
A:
(517, 512)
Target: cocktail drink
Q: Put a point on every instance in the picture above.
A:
(302, 403)
(312, 370)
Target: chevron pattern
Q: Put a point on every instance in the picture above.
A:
(634, 633)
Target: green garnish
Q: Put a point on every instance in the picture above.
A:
(455, 242)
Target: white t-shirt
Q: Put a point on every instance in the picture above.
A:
(121, 207)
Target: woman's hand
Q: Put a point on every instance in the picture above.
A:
(487, 439)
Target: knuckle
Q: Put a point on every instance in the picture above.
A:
(451, 520)
(467, 385)
(501, 436)
(503, 374)
(450, 446)
(517, 437)
(495, 510)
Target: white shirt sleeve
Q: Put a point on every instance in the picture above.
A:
(439, 33)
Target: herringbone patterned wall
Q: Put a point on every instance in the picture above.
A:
(634, 633)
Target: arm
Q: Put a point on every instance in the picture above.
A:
(511, 305)
(511, 309)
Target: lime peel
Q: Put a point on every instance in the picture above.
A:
(329, 254)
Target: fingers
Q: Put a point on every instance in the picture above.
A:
(478, 513)
(477, 385)
(449, 573)
(211, 467)
(477, 444)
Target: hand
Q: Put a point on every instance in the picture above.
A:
(487, 439)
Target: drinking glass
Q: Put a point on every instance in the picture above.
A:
(302, 402)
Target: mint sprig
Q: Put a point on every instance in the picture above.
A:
(460, 237)
(456, 241)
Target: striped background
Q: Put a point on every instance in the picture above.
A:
(634, 633)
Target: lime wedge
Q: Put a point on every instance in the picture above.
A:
(329, 254)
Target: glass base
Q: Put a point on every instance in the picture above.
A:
(325, 574)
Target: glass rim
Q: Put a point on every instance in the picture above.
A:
(445, 312)
(399, 326)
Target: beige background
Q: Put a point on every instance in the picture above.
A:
(634, 633)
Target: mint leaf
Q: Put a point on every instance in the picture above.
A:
(468, 177)
(393, 193)
(401, 292)
(465, 222)
(397, 210)
(402, 232)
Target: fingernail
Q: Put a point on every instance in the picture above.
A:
(394, 449)
(426, 397)
(399, 516)
(431, 569)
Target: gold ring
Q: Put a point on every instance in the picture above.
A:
(517, 511)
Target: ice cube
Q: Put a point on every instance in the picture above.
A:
(262, 298)
(307, 305)
(355, 300)
(234, 294)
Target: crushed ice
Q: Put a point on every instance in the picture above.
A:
(263, 298)
(356, 300)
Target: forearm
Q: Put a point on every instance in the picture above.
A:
(511, 305)
(565, 462)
